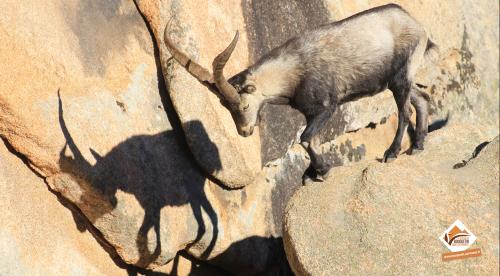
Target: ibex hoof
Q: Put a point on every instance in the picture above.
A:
(319, 178)
(307, 180)
(389, 156)
(389, 159)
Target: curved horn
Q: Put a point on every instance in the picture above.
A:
(200, 73)
(225, 88)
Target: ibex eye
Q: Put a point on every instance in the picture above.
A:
(246, 107)
(250, 89)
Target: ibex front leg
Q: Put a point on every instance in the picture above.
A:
(311, 141)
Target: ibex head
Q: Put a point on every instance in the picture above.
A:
(237, 93)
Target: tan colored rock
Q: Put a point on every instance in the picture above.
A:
(376, 218)
(239, 159)
(111, 144)
(135, 179)
(38, 236)
(101, 59)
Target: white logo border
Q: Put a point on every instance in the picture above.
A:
(459, 224)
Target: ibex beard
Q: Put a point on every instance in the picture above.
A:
(356, 57)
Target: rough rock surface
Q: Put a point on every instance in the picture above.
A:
(37, 234)
(99, 56)
(149, 168)
(112, 144)
(375, 218)
(40, 236)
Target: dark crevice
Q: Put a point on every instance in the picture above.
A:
(21, 156)
(479, 148)
(168, 107)
(475, 153)
(371, 125)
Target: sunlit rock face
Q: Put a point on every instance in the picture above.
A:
(92, 102)
(363, 214)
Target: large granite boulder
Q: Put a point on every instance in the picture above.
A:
(37, 234)
(83, 102)
(149, 201)
(375, 218)
(99, 56)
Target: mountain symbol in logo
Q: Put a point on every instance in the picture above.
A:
(457, 237)
(455, 233)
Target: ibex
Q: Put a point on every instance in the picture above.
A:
(323, 68)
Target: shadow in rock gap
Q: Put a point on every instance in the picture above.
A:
(265, 256)
(266, 251)
(197, 267)
(149, 167)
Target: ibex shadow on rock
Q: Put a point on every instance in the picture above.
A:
(323, 68)
(143, 166)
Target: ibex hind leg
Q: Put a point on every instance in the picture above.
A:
(401, 88)
(420, 100)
